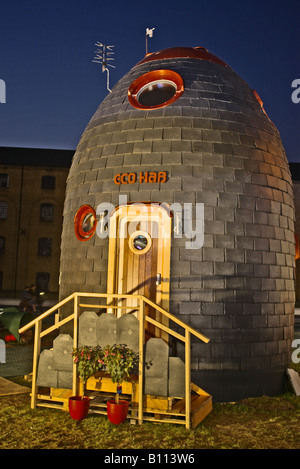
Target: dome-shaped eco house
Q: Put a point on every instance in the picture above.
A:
(180, 191)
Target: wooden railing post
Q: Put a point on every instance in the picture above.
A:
(187, 379)
(36, 354)
(75, 344)
(141, 360)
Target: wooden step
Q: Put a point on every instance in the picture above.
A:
(155, 408)
(201, 407)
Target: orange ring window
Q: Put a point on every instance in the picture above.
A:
(85, 223)
(155, 89)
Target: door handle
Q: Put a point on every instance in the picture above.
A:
(158, 279)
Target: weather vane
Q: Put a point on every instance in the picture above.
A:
(149, 32)
(103, 56)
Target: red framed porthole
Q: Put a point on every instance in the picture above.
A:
(155, 89)
(85, 223)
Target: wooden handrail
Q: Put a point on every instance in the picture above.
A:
(178, 321)
(113, 295)
(47, 313)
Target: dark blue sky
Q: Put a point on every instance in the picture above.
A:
(53, 88)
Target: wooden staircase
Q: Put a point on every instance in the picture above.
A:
(157, 409)
(189, 411)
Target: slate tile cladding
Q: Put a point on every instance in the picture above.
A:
(220, 149)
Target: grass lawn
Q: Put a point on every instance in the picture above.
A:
(255, 423)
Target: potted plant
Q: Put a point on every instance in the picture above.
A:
(119, 360)
(88, 360)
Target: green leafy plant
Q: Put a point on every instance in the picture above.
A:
(119, 360)
(88, 360)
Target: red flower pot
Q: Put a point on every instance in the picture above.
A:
(79, 407)
(117, 413)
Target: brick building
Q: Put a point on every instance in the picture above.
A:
(32, 191)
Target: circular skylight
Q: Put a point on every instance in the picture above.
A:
(155, 89)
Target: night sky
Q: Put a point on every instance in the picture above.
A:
(53, 88)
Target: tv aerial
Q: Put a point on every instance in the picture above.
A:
(102, 57)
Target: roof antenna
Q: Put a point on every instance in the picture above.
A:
(103, 56)
(149, 32)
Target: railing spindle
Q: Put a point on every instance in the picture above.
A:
(75, 344)
(141, 359)
(187, 379)
(36, 353)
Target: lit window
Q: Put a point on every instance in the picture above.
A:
(155, 89)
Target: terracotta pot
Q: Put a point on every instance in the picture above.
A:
(79, 407)
(117, 413)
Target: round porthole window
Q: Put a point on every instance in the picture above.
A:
(155, 89)
(85, 223)
(140, 242)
